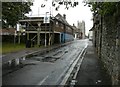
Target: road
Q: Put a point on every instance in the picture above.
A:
(45, 69)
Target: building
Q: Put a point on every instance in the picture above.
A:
(90, 36)
(76, 32)
(81, 28)
(55, 31)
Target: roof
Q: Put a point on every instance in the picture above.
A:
(32, 19)
(61, 18)
(28, 20)
(58, 17)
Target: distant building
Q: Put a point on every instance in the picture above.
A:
(81, 28)
(76, 32)
(90, 36)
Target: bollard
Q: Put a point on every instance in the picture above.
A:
(23, 58)
(13, 63)
(17, 61)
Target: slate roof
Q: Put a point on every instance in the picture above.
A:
(61, 18)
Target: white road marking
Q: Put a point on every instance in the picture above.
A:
(43, 80)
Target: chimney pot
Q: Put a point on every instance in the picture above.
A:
(64, 16)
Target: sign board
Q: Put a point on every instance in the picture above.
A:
(18, 27)
(46, 19)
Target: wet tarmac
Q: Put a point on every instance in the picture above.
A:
(43, 69)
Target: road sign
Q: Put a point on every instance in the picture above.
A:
(18, 27)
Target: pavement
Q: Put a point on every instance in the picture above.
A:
(92, 71)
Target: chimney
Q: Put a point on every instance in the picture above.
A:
(73, 24)
(64, 16)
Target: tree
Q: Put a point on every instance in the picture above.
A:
(104, 8)
(66, 3)
(13, 11)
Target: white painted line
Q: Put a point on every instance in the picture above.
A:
(79, 64)
(72, 67)
(43, 80)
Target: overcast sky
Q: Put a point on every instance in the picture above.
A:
(73, 15)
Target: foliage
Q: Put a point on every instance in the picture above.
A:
(66, 3)
(104, 8)
(13, 11)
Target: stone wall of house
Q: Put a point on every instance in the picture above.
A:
(107, 42)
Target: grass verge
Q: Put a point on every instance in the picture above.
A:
(10, 47)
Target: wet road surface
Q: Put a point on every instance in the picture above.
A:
(45, 69)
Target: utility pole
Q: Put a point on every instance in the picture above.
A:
(45, 21)
(45, 34)
(19, 37)
(38, 41)
(15, 37)
(18, 30)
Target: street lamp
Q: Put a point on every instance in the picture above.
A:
(38, 41)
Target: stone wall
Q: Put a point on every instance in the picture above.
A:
(107, 43)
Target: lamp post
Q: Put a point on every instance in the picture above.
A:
(38, 41)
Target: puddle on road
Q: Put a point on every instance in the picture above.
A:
(47, 57)
(59, 52)
(33, 59)
(44, 59)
